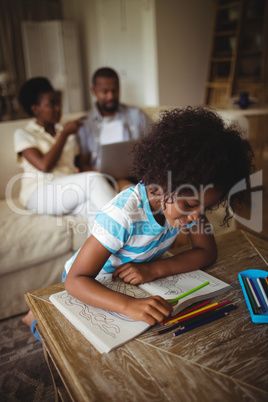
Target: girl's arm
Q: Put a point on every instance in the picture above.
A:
(203, 253)
(46, 162)
(80, 283)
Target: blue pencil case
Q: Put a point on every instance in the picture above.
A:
(254, 274)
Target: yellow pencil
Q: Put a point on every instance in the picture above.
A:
(192, 313)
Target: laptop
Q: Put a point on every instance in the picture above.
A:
(116, 159)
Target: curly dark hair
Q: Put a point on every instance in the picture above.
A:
(197, 148)
(106, 72)
(31, 91)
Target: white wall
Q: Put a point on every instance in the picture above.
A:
(120, 34)
(51, 49)
(128, 43)
(83, 12)
(183, 43)
(160, 48)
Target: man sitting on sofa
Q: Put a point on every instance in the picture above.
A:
(108, 121)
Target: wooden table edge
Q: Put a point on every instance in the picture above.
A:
(53, 353)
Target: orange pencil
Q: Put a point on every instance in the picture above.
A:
(193, 313)
(186, 312)
(192, 320)
(200, 311)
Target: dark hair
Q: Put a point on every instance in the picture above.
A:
(30, 92)
(198, 148)
(106, 72)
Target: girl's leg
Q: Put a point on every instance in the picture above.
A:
(34, 330)
(29, 320)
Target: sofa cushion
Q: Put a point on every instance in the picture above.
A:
(80, 227)
(14, 285)
(9, 167)
(27, 240)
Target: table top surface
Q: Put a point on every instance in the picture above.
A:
(226, 360)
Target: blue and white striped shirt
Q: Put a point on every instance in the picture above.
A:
(127, 227)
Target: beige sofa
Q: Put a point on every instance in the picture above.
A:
(34, 248)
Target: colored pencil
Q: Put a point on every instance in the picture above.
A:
(262, 291)
(199, 324)
(264, 285)
(200, 311)
(250, 297)
(215, 313)
(196, 319)
(255, 290)
(253, 293)
(189, 292)
(196, 312)
(186, 311)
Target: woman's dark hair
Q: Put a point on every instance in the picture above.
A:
(194, 147)
(31, 91)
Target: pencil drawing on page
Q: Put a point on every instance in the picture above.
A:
(174, 285)
(119, 286)
(99, 319)
(107, 330)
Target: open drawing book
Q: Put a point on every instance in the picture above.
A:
(107, 330)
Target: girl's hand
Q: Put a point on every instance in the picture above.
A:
(152, 309)
(134, 273)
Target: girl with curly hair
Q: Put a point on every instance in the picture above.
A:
(186, 165)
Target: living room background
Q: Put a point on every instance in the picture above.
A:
(159, 48)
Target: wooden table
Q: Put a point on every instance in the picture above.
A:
(226, 360)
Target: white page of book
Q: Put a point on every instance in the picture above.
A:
(173, 286)
(107, 330)
(170, 287)
(104, 329)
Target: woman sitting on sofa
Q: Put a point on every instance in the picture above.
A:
(51, 183)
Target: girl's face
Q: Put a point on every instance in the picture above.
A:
(188, 208)
(48, 109)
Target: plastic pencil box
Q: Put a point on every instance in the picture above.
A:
(253, 274)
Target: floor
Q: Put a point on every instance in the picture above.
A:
(24, 374)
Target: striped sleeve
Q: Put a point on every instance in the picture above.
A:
(111, 228)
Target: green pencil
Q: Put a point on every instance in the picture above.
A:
(189, 292)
